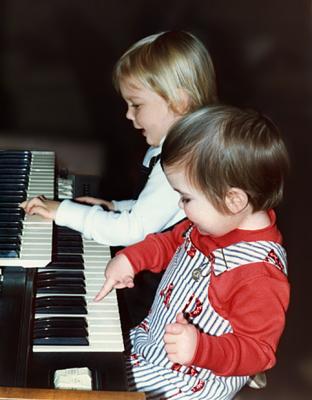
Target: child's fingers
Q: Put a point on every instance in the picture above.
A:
(173, 329)
(27, 205)
(176, 328)
(128, 282)
(108, 285)
(125, 282)
(171, 348)
(37, 205)
(181, 319)
(111, 284)
(42, 211)
(23, 204)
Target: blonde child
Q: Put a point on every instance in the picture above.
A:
(161, 78)
(219, 311)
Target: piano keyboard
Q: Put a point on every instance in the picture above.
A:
(25, 241)
(61, 300)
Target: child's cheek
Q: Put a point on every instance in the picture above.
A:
(188, 211)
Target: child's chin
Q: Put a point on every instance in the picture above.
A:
(151, 142)
(201, 231)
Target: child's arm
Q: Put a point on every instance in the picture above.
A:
(254, 299)
(154, 210)
(156, 250)
(95, 201)
(153, 253)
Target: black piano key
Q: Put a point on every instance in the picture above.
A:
(6, 183)
(12, 205)
(71, 258)
(61, 288)
(60, 280)
(65, 265)
(21, 178)
(73, 322)
(12, 186)
(61, 341)
(69, 238)
(56, 336)
(12, 192)
(4, 232)
(14, 215)
(10, 239)
(14, 162)
(60, 332)
(15, 153)
(57, 300)
(63, 230)
(9, 245)
(8, 252)
(72, 250)
(66, 275)
(62, 309)
(17, 198)
(65, 244)
(14, 171)
(11, 169)
(11, 210)
(11, 224)
(4, 159)
(60, 305)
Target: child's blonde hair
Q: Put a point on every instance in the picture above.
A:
(223, 147)
(168, 61)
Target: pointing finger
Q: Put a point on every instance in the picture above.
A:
(109, 284)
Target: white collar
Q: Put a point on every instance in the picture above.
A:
(152, 152)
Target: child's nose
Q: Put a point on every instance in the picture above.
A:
(130, 114)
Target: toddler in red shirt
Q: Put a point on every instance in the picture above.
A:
(219, 311)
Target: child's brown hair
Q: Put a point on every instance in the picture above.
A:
(222, 147)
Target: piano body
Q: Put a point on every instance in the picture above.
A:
(49, 276)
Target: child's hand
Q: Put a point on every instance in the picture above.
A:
(119, 274)
(180, 341)
(94, 201)
(41, 206)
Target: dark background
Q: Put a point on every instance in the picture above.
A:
(56, 94)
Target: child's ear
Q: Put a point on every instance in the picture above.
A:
(236, 200)
(183, 105)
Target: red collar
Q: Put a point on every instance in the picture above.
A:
(269, 233)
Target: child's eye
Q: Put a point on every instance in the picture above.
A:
(135, 105)
(185, 200)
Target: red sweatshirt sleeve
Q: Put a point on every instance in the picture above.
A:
(254, 298)
(156, 250)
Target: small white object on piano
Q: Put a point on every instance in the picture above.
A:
(73, 378)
